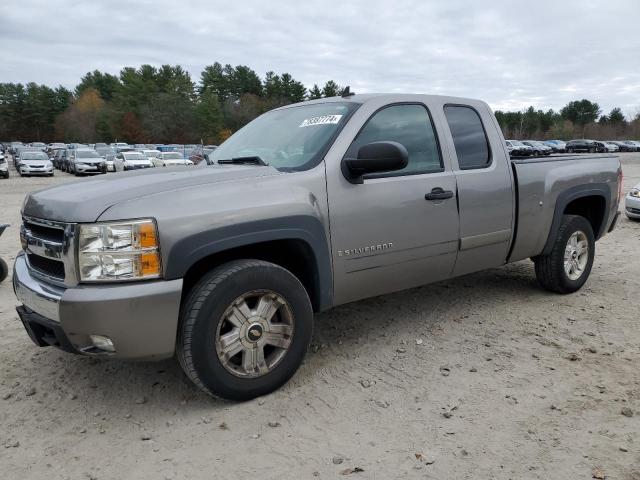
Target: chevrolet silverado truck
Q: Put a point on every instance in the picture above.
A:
(309, 206)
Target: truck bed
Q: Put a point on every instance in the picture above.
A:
(543, 183)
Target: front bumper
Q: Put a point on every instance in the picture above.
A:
(141, 319)
(36, 171)
(136, 167)
(632, 207)
(95, 168)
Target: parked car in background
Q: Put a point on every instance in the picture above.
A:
(558, 146)
(23, 148)
(150, 154)
(73, 146)
(581, 145)
(635, 146)
(538, 148)
(13, 146)
(606, 146)
(34, 163)
(170, 159)
(58, 158)
(519, 149)
(42, 146)
(109, 154)
(131, 161)
(4, 166)
(51, 151)
(632, 203)
(624, 147)
(84, 161)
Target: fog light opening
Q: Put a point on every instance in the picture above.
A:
(102, 343)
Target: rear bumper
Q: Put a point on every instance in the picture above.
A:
(141, 319)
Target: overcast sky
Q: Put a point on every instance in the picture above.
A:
(509, 53)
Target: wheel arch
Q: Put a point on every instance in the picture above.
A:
(590, 201)
(298, 244)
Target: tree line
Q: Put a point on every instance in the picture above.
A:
(149, 105)
(165, 105)
(578, 119)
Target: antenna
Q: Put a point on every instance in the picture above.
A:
(347, 92)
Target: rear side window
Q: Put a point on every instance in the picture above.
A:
(409, 125)
(469, 137)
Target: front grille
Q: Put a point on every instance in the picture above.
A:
(44, 232)
(633, 210)
(50, 249)
(46, 266)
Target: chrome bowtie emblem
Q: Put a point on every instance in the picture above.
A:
(255, 333)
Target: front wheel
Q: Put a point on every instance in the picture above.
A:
(566, 268)
(244, 329)
(4, 270)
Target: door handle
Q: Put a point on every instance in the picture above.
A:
(438, 194)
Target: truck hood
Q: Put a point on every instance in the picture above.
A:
(86, 200)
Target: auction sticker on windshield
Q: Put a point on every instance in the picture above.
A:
(323, 120)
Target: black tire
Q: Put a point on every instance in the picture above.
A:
(4, 270)
(202, 313)
(550, 269)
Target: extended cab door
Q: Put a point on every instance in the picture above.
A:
(389, 233)
(485, 191)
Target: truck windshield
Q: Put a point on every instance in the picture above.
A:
(290, 139)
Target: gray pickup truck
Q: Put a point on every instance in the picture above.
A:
(309, 206)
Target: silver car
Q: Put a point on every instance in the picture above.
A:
(632, 203)
(34, 163)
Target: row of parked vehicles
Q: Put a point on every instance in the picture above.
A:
(41, 159)
(537, 148)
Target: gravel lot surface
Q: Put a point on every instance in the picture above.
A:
(486, 377)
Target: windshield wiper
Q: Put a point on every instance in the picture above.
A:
(255, 160)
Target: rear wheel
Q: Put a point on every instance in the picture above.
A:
(244, 329)
(566, 268)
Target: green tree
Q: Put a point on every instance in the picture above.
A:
(331, 89)
(315, 93)
(105, 83)
(209, 118)
(581, 112)
(214, 80)
(616, 116)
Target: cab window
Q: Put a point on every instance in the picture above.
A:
(409, 125)
(469, 137)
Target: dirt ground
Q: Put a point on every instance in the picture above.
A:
(484, 377)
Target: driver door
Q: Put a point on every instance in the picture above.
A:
(387, 234)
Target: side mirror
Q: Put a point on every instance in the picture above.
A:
(375, 157)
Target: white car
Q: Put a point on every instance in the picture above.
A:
(34, 163)
(4, 167)
(170, 159)
(150, 154)
(609, 147)
(131, 161)
(632, 203)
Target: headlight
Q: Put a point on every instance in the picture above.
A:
(119, 251)
(635, 192)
